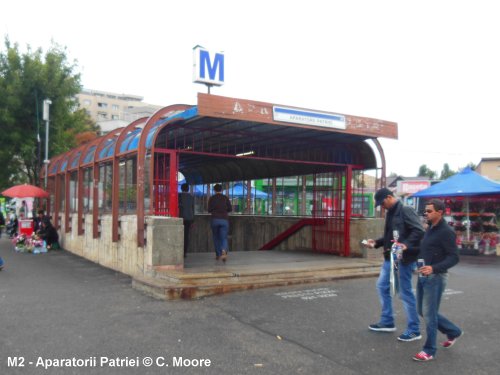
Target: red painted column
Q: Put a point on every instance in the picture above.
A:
(348, 210)
(173, 173)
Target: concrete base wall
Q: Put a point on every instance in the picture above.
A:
(164, 244)
(165, 241)
(252, 232)
(248, 233)
(363, 229)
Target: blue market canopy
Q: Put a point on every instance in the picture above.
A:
(240, 191)
(467, 183)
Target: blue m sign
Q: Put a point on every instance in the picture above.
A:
(206, 71)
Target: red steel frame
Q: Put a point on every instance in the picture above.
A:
(165, 183)
(332, 197)
(164, 165)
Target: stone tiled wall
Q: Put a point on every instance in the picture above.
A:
(164, 245)
(363, 229)
(252, 232)
(164, 239)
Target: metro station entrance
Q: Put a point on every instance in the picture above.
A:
(239, 144)
(289, 172)
(328, 212)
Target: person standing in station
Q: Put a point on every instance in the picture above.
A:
(404, 221)
(2, 222)
(439, 253)
(186, 212)
(219, 206)
(23, 211)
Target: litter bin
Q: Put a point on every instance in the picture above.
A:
(26, 227)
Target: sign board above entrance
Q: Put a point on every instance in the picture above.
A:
(301, 116)
(205, 70)
(250, 110)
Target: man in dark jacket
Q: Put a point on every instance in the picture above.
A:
(219, 206)
(2, 223)
(405, 221)
(186, 211)
(439, 253)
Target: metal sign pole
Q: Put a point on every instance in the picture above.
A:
(46, 109)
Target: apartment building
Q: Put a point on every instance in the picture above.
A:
(112, 110)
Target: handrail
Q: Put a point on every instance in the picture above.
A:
(290, 231)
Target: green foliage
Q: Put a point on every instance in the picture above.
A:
(424, 171)
(26, 79)
(446, 172)
(472, 166)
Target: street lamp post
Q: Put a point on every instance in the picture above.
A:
(46, 108)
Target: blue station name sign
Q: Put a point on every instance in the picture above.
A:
(305, 117)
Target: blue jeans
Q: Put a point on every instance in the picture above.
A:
(220, 229)
(429, 291)
(403, 278)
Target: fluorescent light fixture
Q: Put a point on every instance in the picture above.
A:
(246, 153)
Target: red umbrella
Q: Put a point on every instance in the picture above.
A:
(25, 191)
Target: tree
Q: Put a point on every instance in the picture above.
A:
(446, 172)
(471, 165)
(424, 171)
(26, 79)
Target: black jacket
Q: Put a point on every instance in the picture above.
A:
(186, 206)
(49, 234)
(406, 221)
(439, 247)
(219, 206)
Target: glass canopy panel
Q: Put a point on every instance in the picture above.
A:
(184, 115)
(63, 165)
(90, 155)
(76, 160)
(109, 149)
(125, 146)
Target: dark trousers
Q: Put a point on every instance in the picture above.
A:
(187, 227)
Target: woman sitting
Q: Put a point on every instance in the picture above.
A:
(49, 234)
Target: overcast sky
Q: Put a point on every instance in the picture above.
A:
(431, 66)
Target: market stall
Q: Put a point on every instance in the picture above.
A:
(24, 239)
(473, 206)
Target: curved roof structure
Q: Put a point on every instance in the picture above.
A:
(228, 139)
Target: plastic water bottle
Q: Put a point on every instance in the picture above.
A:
(396, 248)
(420, 264)
(399, 251)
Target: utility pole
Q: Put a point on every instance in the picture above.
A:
(46, 108)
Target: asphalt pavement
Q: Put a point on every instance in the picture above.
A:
(61, 314)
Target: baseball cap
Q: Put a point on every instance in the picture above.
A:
(381, 194)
